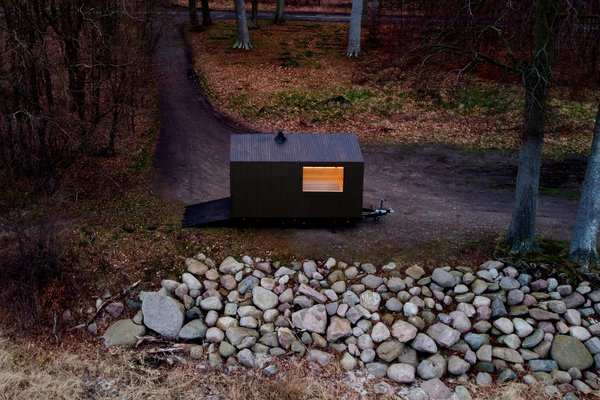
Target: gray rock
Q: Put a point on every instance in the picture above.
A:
(504, 325)
(215, 335)
(123, 333)
(312, 293)
(380, 332)
(415, 272)
(483, 379)
(401, 373)
(460, 321)
(506, 375)
(193, 330)
(393, 305)
(432, 367)
(163, 314)
(196, 267)
(533, 340)
(424, 343)
(396, 284)
(247, 284)
(542, 365)
(542, 315)
(191, 281)
(498, 308)
(230, 266)
(476, 340)
(593, 345)
(226, 349)
(508, 283)
(557, 306)
(443, 278)
(378, 370)
(462, 393)
(246, 358)
(348, 363)
(410, 309)
(436, 389)
(574, 300)
(389, 350)
(338, 328)
(264, 299)
(313, 319)
(403, 331)
(443, 334)
(515, 297)
(115, 309)
(318, 356)
(372, 281)
(457, 366)
(370, 300)
(569, 352)
(237, 336)
(507, 354)
(211, 303)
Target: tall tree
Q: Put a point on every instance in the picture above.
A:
(585, 233)
(353, 49)
(279, 19)
(243, 37)
(193, 12)
(254, 15)
(206, 19)
(536, 79)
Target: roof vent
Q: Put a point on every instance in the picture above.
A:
(280, 138)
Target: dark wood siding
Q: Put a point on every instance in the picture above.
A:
(274, 190)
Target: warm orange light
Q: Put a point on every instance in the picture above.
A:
(322, 179)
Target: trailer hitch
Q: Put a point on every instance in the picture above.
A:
(377, 213)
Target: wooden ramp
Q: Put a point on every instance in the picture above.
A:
(207, 213)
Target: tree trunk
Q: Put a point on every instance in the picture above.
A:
(373, 21)
(206, 19)
(194, 23)
(254, 16)
(585, 233)
(521, 233)
(354, 31)
(279, 12)
(243, 37)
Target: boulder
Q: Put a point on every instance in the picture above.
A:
(569, 352)
(163, 314)
(443, 335)
(123, 333)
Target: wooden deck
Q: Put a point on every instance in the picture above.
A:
(207, 213)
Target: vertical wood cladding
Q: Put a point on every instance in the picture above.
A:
(267, 183)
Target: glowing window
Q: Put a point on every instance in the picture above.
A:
(322, 179)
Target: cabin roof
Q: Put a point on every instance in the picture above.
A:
(305, 147)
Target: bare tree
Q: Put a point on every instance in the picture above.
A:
(72, 76)
(254, 15)
(279, 19)
(353, 49)
(206, 19)
(193, 11)
(585, 232)
(243, 37)
(536, 80)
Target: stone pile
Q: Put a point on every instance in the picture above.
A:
(491, 323)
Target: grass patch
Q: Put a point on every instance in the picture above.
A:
(482, 100)
(293, 70)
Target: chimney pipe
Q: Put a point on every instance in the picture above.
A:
(280, 138)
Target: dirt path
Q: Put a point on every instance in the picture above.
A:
(439, 193)
(192, 152)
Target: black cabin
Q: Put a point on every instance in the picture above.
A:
(296, 176)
